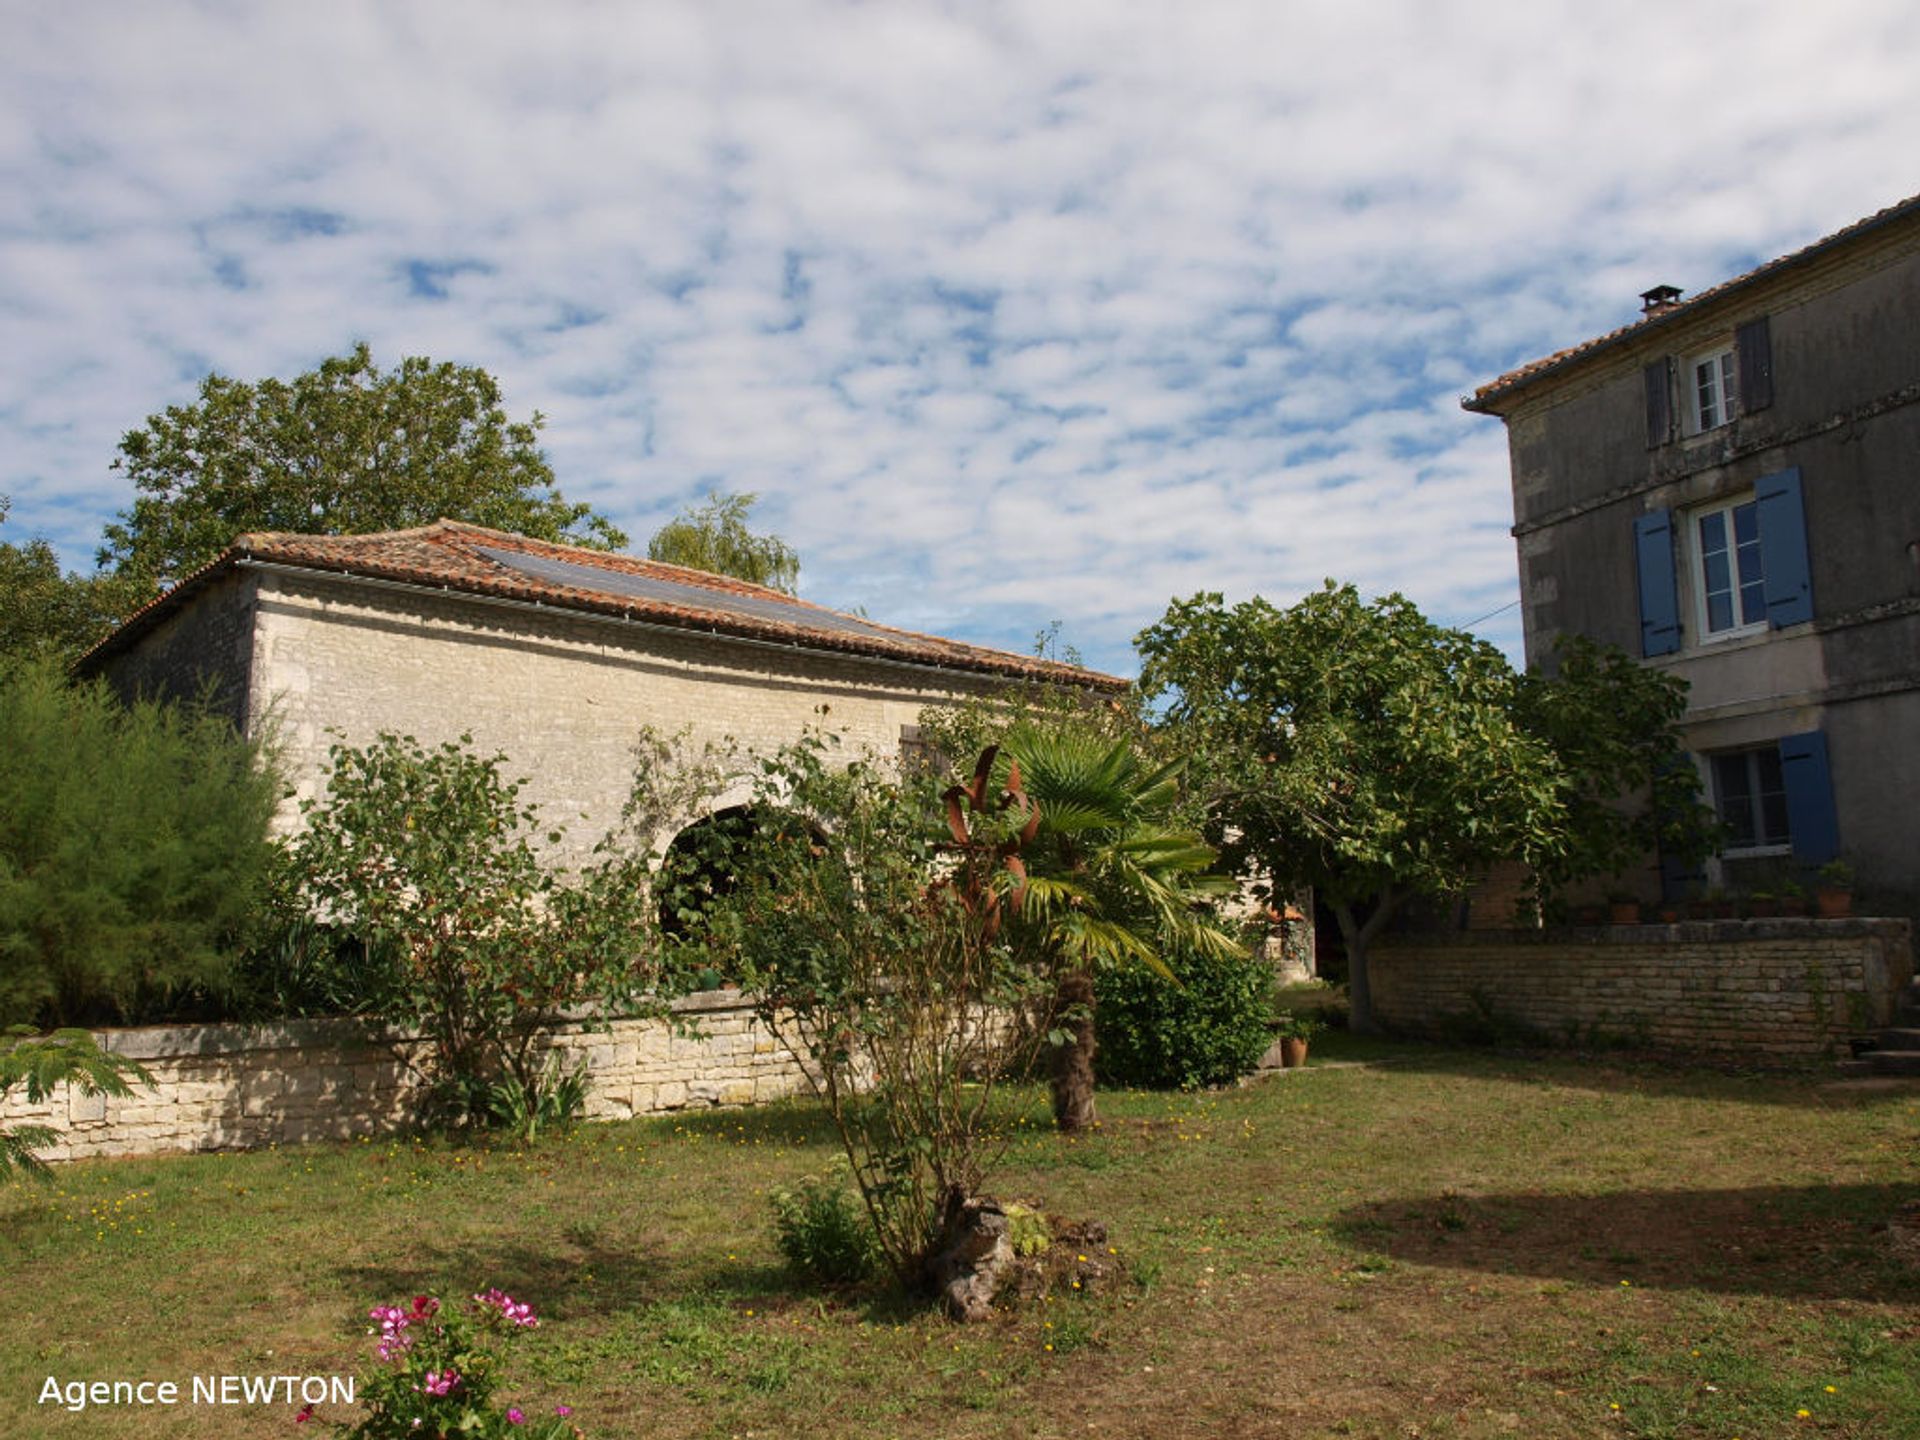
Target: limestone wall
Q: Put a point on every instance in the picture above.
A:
(1780, 988)
(562, 695)
(222, 1087)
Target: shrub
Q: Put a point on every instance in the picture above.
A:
(426, 857)
(132, 851)
(1209, 1029)
(823, 1230)
(439, 1371)
(882, 962)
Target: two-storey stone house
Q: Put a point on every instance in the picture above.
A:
(1729, 486)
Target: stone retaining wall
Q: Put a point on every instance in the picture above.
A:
(224, 1087)
(1786, 989)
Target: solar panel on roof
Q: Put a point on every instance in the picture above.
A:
(670, 592)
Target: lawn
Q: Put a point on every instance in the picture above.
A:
(1434, 1243)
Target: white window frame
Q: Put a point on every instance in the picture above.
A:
(1749, 754)
(1697, 571)
(1722, 369)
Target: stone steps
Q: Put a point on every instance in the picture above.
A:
(1896, 1049)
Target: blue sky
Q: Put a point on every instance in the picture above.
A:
(1010, 313)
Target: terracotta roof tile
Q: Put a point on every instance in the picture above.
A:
(1484, 399)
(473, 560)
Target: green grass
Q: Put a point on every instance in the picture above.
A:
(1432, 1242)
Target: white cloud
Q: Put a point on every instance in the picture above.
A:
(1009, 312)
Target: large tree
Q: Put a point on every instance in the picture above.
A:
(344, 449)
(44, 612)
(714, 537)
(1614, 726)
(1355, 747)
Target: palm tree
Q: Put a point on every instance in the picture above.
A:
(1110, 878)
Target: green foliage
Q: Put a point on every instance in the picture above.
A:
(132, 850)
(823, 1230)
(427, 857)
(37, 1064)
(1209, 1028)
(1290, 1025)
(554, 1101)
(44, 613)
(883, 961)
(1027, 1230)
(1113, 880)
(1627, 790)
(440, 1371)
(1357, 748)
(714, 537)
(343, 449)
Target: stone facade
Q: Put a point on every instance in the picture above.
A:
(563, 696)
(1629, 489)
(555, 657)
(1781, 989)
(229, 1087)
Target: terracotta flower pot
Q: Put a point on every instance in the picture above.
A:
(1293, 1052)
(1623, 912)
(1833, 904)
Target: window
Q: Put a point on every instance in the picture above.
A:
(1738, 564)
(1749, 791)
(1711, 388)
(1729, 574)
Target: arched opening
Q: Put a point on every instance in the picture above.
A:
(707, 863)
(702, 868)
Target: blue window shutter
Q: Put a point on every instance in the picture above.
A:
(1809, 786)
(1754, 347)
(1783, 548)
(1659, 404)
(1659, 593)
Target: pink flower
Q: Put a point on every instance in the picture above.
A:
(514, 1311)
(515, 1415)
(563, 1410)
(306, 1414)
(441, 1383)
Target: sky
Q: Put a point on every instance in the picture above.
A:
(1009, 313)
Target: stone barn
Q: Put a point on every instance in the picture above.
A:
(553, 655)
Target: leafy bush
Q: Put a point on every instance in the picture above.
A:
(426, 857)
(440, 1369)
(882, 962)
(554, 1101)
(823, 1230)
(1209, 1029)
(132, 851)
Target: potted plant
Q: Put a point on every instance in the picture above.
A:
(1622, 908)
(1793, 898)
(1834, 898)
(1762, 905)
(1295, 1031)
(1718, 904)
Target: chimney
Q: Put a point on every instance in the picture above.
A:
(1659, 298)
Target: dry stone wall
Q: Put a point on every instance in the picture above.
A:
(224, 1087)
(1785, 989)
